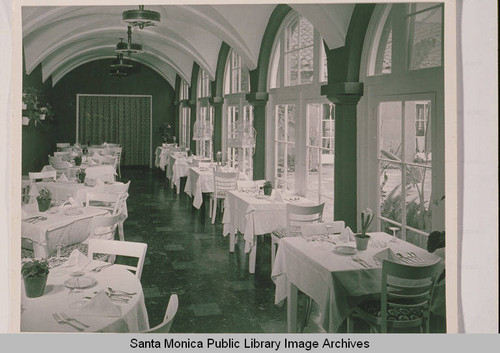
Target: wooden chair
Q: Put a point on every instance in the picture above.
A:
(120, 248)
(118, 156)
(166, 325)
(104, 227)
(223, 182)
(115, 203)
(65, 156)
(296, 215)
(404, 301)
(41, 176)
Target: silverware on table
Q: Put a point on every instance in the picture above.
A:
(414, 256)
(67, 318)
(61, 321)
(100, 268)
(360, 261)
(404, 258)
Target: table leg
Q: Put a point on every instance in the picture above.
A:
(232, 238)
(292, 293)
(253, 256)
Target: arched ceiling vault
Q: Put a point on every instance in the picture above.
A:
(61, 38)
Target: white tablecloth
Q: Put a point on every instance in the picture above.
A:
(335, 282)
(36, 313)
(62, 190)
(255, 215)
(57, 229)
(162, 153)
(201, 181)
(178, 167)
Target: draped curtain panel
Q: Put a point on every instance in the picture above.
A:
(117, 119)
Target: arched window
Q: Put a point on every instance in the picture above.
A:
(184, 115)
(404, 99)
(236, 85)
(301, 121)
(203, 127)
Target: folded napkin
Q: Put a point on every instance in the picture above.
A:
(73, 154)
(347, 235)
(386, 254)
(70, 202)
(77, 259)
(100, 305)
(91, 162)
(104, 144)
(96, 155)
(62, 177)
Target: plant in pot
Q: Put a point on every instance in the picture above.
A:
(166, 133)
(268, 188)
(189, 153)
(78, 160)
(44, 198)
(85, 150)
(35, 273)
(80, 176)
(363, 238)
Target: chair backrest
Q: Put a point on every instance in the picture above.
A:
(121, 204)
(335, 227)
(409, 287)
(303, 214)
(224, 181)
(117, 188)
(62, 144)
(60, 164)
(65, 156)
(108, 159)
(104, 227)
(166, 325)
(43, 176)
(101, 199)
(120, 248)
(117, 152)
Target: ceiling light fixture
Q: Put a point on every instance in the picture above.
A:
(129, 47)
(117, 72)
(119, 63)
(141, 18)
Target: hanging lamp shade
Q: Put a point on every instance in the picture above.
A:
(129, 47)
(202, 131)
(241, 134)
(141, 18)
(120, 63)
(117, 72)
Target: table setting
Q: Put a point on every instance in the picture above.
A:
(86, 295)
(335, 274)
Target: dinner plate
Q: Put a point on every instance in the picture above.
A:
(83, 282)
(345, 250)
(73, 212)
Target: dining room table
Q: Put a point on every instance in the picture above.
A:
(163, 153)
(335, 274)
(61, 225)
(62, 190)
(178, 167)
(253, 214)
(200, 180)
(109, 300)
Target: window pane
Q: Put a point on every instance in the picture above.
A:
(383, 63)
(292, 42)
(313, 174)
(291, 167)
(306, 65)
(426, 39)
(390, 130)
(280, 129)
(306, 33)
(390, 191)
(291, 123)
(292, 67)
(280, 167)
(418, 132)
(314, 125)
(417, 239)
(418, 195)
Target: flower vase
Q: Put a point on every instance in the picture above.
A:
(43, 204)
(362, 241)
(35, 287)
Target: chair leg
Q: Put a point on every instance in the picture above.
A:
(210, 206)
(121, 234)
(273, 252)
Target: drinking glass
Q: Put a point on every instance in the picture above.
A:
(394, 237)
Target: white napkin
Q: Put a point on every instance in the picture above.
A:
(386, 254)
(73, 154)
(62, 177)
(91, 162)
(100, 305)
(104, 144)
(96, 155)
(278, 196)
(70, 202)
(77, 259)
(347, 235)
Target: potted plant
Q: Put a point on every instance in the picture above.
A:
(268, 188)
(80, 176)
(44, 198)
(166, 133)
(189, 153)
(78, 160)
(85, 150)
(363, 238)
(35, 273)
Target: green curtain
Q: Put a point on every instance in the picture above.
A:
(117, 119)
